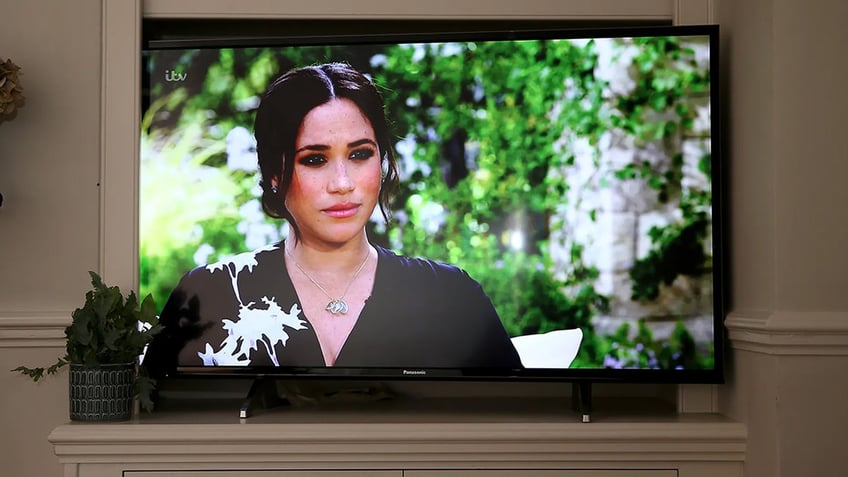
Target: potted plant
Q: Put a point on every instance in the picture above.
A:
(104, 341)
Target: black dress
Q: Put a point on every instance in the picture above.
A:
(245, 311)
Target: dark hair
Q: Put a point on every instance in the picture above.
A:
(281, 112)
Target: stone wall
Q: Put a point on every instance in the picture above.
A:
(611, 217)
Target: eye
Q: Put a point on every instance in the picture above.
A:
(312, 160)
(362, 154)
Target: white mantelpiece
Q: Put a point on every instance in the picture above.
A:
(447, 435)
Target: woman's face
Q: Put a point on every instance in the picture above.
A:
(337, 173)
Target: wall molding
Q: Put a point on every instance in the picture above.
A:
(34, 329)
(795, 333)
(693, 12)
(120, 113)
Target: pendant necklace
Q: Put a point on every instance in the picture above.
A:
(336, 306)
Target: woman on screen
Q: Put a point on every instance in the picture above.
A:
(326, 296)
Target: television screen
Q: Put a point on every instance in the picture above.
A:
(503, 204)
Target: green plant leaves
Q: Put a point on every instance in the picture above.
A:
(679, 251)
(107, 329)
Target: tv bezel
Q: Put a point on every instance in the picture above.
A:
(502, 30)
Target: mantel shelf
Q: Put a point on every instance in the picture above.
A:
(411, 434)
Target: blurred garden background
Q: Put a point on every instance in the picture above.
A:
(571, 178)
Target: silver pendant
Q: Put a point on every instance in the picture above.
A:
(337, 307)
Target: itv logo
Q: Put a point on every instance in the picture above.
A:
(171, 75)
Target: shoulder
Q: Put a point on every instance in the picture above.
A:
(408, 271)
(238, 266)
(245, 261)
(419, 265)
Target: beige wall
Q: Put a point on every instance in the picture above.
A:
(49, 169)
(810, 155)
(784, 118)
(784, 126)
(49, 165)
(749, 149)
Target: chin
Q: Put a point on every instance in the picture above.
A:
(342, 234)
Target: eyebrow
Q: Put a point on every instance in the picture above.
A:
(322, 147)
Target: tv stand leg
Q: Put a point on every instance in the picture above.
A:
(581, 398)
(262, 395)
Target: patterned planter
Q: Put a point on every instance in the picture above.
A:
(101, 393)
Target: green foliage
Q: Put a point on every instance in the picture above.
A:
(679, 351)
(143, 388)
(184, 167)
(485, 117)
(531, 300)
(658, 109)
(668, 75)
(38, 373)
(679, 251)
(108, 329)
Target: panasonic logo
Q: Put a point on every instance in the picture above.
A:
(414, 372)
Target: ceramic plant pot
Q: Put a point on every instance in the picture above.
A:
(101, 393)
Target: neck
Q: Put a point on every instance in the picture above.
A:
(329, 259)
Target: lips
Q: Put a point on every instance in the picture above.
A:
(342, 211)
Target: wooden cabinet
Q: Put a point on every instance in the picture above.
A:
(545, 473)
(268, 473)
(413, 473)
(443, 439)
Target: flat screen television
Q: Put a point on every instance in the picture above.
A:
(573, 173)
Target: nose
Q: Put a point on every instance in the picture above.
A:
(341, 181)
